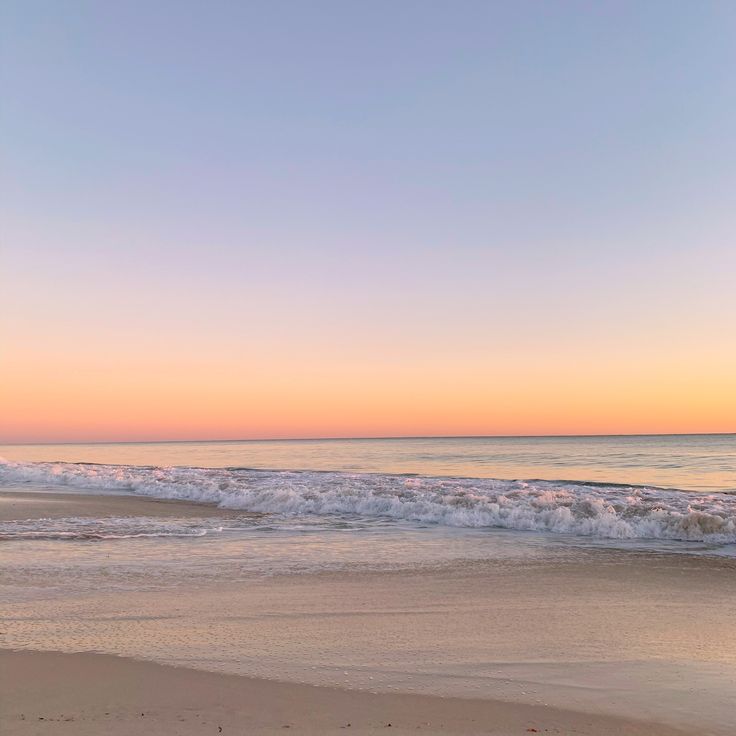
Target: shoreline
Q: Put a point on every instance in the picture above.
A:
(533, 635)
(26, 505)
(85, 693)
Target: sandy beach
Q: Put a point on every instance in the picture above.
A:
(50, 693)
(564, 639)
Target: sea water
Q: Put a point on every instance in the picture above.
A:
(670, 492)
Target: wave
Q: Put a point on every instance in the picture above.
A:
(588, 509)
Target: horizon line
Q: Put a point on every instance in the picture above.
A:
(372, 438)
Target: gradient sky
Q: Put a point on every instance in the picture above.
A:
(284, 219)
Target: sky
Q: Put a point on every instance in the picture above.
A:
(320, 219)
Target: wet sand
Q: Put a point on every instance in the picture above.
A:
(50, 693)
(16, 505)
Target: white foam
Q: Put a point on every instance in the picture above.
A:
(618, 512)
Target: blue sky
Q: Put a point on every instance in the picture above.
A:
(414, 177)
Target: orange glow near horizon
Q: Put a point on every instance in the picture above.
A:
(86, 398)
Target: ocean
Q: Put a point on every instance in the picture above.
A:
(665, 492)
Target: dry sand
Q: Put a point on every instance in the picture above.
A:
(50, 693)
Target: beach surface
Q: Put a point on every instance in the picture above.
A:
(51, 693)
(19, 505)
(249, 630)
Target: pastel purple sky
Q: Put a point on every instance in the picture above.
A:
(304, 219)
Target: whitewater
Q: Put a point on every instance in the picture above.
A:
(595, 510)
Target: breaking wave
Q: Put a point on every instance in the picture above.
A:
(593, 510)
